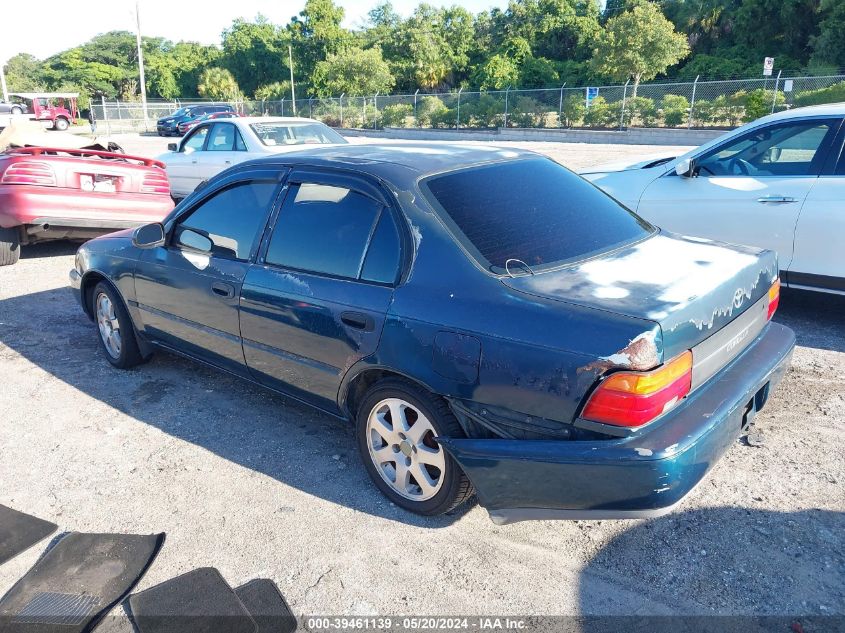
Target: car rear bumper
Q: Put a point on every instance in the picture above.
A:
(644, 474)
(22, 205)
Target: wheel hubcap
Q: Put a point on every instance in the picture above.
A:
(401, 444)
(108, 325)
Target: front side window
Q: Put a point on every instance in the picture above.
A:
(533, 213)
(786, 149)
(196, 140)
(231, 219)
(325, 229)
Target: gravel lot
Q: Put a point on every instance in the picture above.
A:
(243, 480)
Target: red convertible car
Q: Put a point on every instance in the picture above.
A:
(51, 193)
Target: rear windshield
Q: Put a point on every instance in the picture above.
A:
(534, 212)
(277, 133)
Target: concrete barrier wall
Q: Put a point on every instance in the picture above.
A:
(631, 136)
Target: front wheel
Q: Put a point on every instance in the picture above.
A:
(117, 337)
(17, 110)
(10, 247)
(61, 124)
(397, 427)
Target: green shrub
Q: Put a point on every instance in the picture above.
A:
(831, 94)
(641, 111)
(602, 114)
(675, 110)
(574, 110)
(397, 115)
(486, 111)
(527, 112)
(429, 110)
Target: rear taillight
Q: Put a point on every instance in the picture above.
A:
(29, 172)
(155, 182)
(774, 298)
(633, 398)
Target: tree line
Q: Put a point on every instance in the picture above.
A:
(530, 44)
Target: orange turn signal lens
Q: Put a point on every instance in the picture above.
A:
(774, 298)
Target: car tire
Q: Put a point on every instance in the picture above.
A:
(17, 110)
(61, 124)
(116, 334)
(427, 480)
(10, 247)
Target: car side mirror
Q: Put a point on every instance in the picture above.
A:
(194, 240)
(773, 154)
(172, 147)
(148, 236)
(685, 168)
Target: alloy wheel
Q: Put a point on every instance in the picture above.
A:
(108, 325)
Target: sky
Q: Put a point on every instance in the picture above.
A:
(56, 26)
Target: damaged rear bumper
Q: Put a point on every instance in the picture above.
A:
(643, 475)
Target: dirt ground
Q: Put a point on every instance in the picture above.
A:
(243, 480)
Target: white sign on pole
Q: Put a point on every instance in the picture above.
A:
(787, 85)
(768, 64)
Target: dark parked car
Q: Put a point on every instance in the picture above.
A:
(13, 107)
(169, 125)
(489, 321)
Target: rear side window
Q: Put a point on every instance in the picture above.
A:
(325, 229)
(531, 211)
(231, 218)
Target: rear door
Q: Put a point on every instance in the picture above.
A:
(819, 259)
(183, 165)
(315, 301)
(188, 289)
(749, 189)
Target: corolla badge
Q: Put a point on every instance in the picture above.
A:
(739, 296)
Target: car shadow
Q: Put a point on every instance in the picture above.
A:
(237, 420)
(55, 248)
(724, 568)
(818, 319)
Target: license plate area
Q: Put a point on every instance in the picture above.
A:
(98, 182)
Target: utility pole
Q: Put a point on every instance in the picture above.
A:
(141, 62)
(3, 87)
(292, 89)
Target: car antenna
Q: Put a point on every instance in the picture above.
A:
(513, 259)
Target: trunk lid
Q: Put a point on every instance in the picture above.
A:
(691, 287)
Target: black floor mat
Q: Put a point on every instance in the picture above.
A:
(200, 601)
(76, 583)
(19, 532)
(267, 606)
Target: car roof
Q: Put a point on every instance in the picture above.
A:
(277, 119)
(827, 109)
(415, 160)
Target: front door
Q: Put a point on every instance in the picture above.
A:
(188, 290)
(748, 190)
(183, 169)
(315, 302)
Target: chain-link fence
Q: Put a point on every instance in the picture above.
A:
(697, 104)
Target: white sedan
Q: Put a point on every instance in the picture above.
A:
(777, 182)
(218, 144)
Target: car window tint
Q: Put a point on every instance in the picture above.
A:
(222, 138)
(232, 218)
(240, 145)
(382, 261)
(534, 211)
(196, 140)
(791, 149)
(323, 229)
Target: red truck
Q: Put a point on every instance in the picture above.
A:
(59, 109)
(51, 193)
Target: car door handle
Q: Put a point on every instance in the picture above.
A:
(776, 199)
(358, 320)
(227, 291)
(227, 162)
